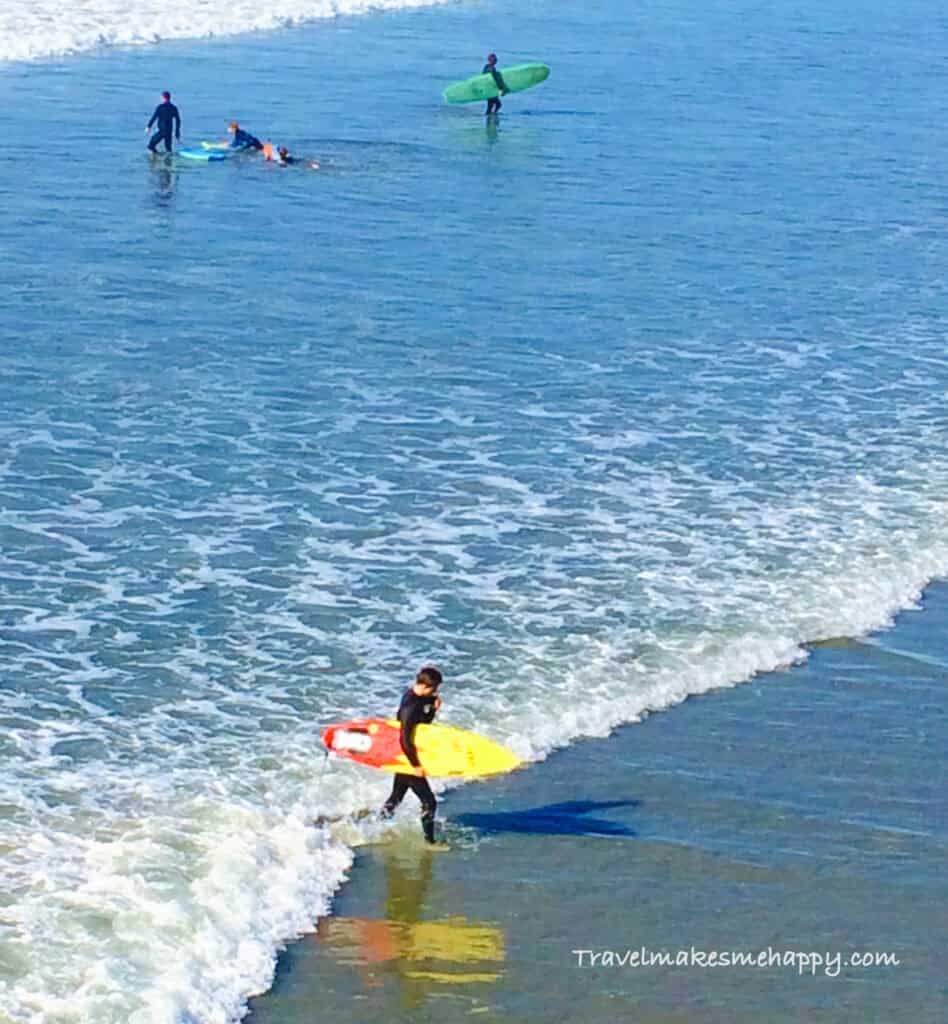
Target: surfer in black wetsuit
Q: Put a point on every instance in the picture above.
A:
(167, 116)
(419, 705)
(490, 68)
(242, 139)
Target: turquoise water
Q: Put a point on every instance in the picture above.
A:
(624, 397)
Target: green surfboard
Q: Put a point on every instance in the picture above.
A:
(483, 87)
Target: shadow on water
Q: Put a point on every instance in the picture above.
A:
(492, 133)
(566, 819)
(164, 179)
(491, 127)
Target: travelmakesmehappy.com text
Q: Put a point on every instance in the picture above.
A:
(811, 962)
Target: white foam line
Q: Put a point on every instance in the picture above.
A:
(33, 29)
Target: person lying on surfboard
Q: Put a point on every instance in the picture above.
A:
(420, 703)
(242, 139)
(281, 155)
(490, 68)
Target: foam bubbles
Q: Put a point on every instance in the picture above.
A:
(34, 29)
(180, 622)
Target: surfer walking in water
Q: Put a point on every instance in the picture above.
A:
(420, 703)
(490, 68)
(167, 116)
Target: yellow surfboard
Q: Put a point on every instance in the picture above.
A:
(444, 750)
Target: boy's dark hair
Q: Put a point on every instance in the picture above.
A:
(166, 95)
(430, 675)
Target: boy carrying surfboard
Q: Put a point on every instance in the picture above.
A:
(490, 68)
(419, 704)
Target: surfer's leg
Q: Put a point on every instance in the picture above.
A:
(168, 143)
(154, 140)
(429, 804)
(400, 786)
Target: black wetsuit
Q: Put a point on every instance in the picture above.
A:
(244, 140)
(493, 104)
(167, 116)
(412, 711)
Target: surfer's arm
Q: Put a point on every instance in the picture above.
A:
(407, 738)
(177, 124)
(499, 82)
(154, 117)
(408, 744)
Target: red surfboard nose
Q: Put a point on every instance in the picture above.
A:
(350, 738)
(374, 742)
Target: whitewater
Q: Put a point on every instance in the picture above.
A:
(47, 29)
(634, 393)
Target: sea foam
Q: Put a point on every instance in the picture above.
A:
(37, 29)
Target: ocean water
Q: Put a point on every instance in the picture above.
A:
(37, 29)
(745, 820)
(626, 396)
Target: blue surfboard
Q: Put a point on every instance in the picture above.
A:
(203, 155)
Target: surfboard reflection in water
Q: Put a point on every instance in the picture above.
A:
(422, 956)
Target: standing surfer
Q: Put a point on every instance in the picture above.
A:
(490, 68)
(167, 116)
(420, 703)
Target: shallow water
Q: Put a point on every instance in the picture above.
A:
(799, 819)
(624, 397)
